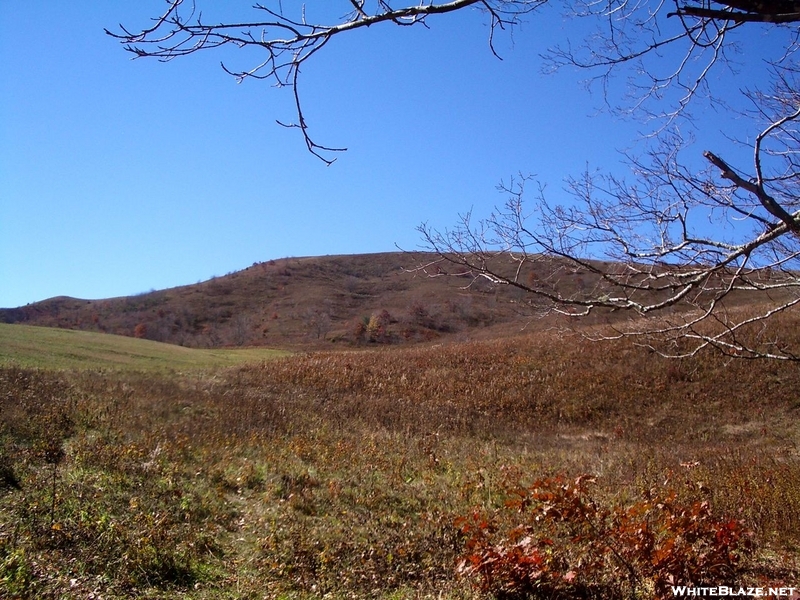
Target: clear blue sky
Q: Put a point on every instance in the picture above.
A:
(121, 176)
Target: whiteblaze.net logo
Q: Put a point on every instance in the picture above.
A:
(725, 591)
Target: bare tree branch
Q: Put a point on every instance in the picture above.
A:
(705, 256)
(646, 248)
(289, 41)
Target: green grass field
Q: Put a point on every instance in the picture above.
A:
(49, 348)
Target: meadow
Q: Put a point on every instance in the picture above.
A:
(541, 465)
(51, 348)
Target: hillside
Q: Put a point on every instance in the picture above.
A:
(299, 302)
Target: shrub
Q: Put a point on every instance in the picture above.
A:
(569, 545)
(360, 329)
(378, 327)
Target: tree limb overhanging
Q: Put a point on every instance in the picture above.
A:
(714, 252)
(654, 248)
(288, 41)
(632, 32)
(743, 11)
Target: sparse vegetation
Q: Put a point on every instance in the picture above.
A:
(352, 474)
(301, 302)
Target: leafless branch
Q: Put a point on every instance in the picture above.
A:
(638, 34)
(288, 41)
(652, 248)
(713, 251)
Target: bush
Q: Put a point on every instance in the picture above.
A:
(569, 546)
(378, 327)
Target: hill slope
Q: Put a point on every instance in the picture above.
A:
(296, 302)
(43, 347)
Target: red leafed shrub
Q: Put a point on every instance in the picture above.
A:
(567, 545)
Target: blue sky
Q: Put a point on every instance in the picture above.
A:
(120, 176)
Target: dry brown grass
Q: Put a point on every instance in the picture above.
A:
(343, 473)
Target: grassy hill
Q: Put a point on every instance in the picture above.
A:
(317, 301)
(331, 301)
(42, 347)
